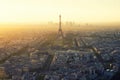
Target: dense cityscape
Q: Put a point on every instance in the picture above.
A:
(59, 39)
(74, 54)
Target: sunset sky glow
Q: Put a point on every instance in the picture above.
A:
(36, 11)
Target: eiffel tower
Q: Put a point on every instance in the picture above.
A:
(60, 32)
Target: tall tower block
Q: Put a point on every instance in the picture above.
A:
(60, 32)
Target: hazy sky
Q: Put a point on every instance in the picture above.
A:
(37, 11)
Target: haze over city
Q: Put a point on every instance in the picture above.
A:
(59, 40)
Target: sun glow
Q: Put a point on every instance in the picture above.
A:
(36, 11)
